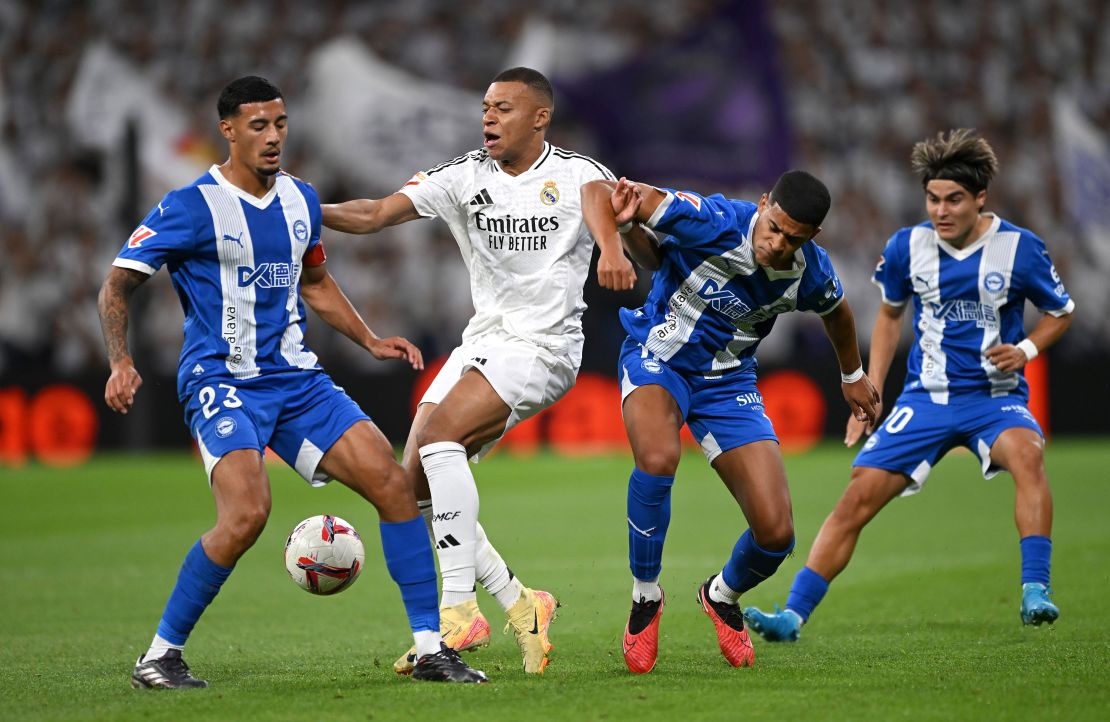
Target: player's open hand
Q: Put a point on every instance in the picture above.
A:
(1006, 357)
(615, 272)
(119, 392)
(396, 347)
(626, 200)
(866, 406)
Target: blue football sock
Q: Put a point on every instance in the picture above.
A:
(198, 582)
(649, 515)
(807, 591)
(1036, 559)
(408, 557)
(750, 563)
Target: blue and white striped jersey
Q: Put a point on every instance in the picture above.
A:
(710, 303)
(966, 301)
(235, 262)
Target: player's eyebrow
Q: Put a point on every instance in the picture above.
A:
(775, 228)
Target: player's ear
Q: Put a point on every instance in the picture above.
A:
(543, 118)
(816, 232)
(226, 130)
(981, 198)
(762, 204)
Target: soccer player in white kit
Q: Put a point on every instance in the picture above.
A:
(514, 208)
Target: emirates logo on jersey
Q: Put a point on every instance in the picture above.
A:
(549, 196)
(141, 234)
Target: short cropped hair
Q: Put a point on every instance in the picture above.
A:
(534, 79)
(248, 89)
(802, 197)
(959, 155)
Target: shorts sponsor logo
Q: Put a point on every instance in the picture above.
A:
(225, 427)
(871, 443)
(994, 281)
(651, 366)
(1018, 409)
(751, 398)
(300, 230)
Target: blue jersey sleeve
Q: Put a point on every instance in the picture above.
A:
(892, 273)
(315, 215)
(820, 290)
(166, 234)
(1037, 277)
(693, 220)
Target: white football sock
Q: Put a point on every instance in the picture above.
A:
(455, 521)
(494, 574)
(427, 642)
(721, 592)
(648, 591)
(159, 647)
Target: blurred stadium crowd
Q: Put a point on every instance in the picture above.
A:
(864, 80)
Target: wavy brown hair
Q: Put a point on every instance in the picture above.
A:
(960, 155)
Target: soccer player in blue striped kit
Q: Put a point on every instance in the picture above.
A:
(242, 245)
(726, 270)
(969, 274)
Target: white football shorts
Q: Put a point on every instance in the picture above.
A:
(527, 377)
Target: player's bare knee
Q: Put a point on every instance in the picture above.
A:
(658, 461)
(243, 525)
(776, 535)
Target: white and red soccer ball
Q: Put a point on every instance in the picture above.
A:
(324, 555)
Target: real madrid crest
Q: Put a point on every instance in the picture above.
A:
(550, 194)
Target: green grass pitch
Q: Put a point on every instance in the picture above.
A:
(922, 625)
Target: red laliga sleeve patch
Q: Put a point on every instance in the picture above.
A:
(316, 256)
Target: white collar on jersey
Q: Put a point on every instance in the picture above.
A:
(544, 152)
(773, 274)
(961, 253)
(235, 190)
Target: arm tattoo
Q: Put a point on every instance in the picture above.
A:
(112, 304)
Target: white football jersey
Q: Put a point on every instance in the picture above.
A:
(522, 238)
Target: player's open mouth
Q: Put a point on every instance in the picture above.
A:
(491, 140)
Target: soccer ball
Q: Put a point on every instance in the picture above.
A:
(324, 555)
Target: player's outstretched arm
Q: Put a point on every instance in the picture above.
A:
(862, 398)
(369, 216)
(1011, 357)
(884, 341)
(113, 305)
(324, 296)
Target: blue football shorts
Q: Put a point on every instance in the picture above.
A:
(299, 415)
(722, 412)
(919, 432)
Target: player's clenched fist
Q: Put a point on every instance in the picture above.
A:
(119, 392)
(614, 271)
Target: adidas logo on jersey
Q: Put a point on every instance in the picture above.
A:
(482, 199)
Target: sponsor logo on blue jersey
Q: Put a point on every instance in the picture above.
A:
(267, 275)
(984, 315)
(723, 300)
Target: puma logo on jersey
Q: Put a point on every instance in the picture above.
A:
(235, 239)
